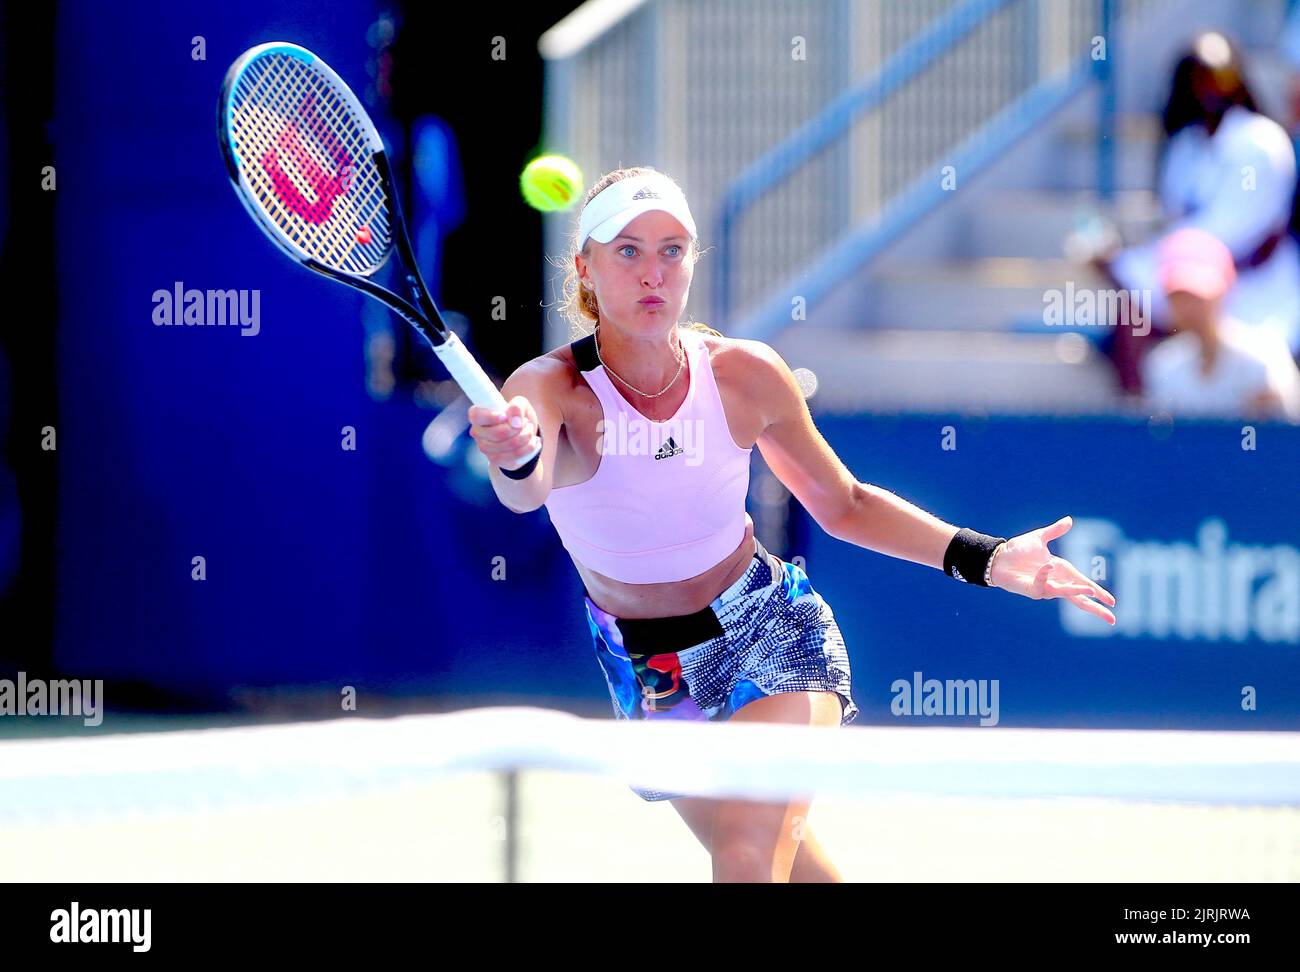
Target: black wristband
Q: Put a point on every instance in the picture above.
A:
(526, 470)
(968, 555)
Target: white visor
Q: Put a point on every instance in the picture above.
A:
(618, 204)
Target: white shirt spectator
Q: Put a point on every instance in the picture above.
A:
(1237, 186)
(1250, 361)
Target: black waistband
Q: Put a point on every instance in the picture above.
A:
(651, 636)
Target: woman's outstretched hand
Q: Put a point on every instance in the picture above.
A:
(1024, 565)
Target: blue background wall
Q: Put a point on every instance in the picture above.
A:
(322, 565)
(1155, 483)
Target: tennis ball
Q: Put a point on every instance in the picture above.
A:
(551, 183)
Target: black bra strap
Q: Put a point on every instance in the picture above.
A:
(584, 353)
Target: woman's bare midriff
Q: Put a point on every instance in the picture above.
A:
(576, 461)
(669, 600)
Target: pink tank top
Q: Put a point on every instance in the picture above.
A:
(667, 501)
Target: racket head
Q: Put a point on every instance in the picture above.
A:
(304, 158)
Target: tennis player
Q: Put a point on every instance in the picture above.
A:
(647, 426)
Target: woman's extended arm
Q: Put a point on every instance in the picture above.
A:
(872, 517)
(882, 521)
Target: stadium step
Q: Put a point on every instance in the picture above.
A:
(938, 371)
(1034, 223)
(992, 293)
(1138, 138)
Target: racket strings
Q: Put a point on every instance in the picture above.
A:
(308, 164)
(291, 157)
(321, 143)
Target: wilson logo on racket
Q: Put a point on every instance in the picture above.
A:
(325, 186)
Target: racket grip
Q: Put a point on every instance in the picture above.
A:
(473, 380)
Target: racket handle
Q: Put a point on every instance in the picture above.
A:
(473, 380)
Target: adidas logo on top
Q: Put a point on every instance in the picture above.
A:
(646, 194)
(668, 449)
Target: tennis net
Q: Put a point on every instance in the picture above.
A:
(536, 795)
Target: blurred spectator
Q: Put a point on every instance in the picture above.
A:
(1289, 47)
(439, 198)
(1229, 170)
(1214, 365)
(437, 207)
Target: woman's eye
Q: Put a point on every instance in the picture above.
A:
(674, 247)
(626, 246)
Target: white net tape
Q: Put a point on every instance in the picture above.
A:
(426, 798)
(716, 759)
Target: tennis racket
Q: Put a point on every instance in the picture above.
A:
(309, 166)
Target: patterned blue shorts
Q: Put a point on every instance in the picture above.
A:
(769, 632)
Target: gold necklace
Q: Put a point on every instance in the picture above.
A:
(681, 364)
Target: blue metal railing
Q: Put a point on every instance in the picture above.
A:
(973, 155)
(850, 254)
(1105, 75)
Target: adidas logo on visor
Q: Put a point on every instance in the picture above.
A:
(646, 194)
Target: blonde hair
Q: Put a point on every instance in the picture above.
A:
(578, 305)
